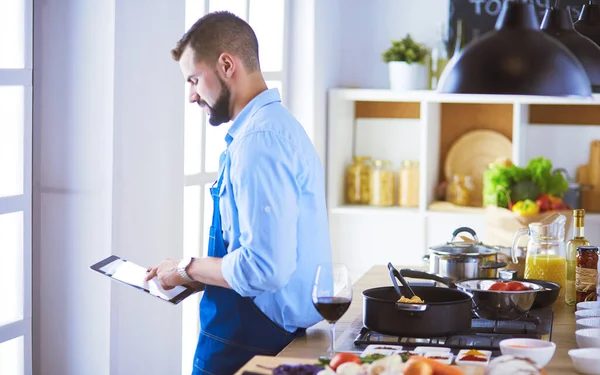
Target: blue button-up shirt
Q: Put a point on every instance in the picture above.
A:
(274, 214)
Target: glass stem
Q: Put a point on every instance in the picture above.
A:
(332, 336)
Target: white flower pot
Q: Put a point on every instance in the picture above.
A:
(404, 76)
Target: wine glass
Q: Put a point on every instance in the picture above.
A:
(332, 295)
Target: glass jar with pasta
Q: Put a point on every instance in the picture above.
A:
(382, 183)
(408, 184)
(459, 190)
(358, 178)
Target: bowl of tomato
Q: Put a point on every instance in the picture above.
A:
(498, 299)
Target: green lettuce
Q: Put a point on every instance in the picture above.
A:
(498, 181)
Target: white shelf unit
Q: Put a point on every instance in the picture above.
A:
(364, 235)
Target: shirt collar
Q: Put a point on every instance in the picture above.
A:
(266, 97)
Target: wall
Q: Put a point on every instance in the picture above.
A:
(108, 125)
(148, 150)
(367, 27)
(73, 129)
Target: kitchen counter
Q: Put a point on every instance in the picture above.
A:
(316, 342)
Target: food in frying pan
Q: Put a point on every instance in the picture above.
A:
(413, 299)
(511, 286)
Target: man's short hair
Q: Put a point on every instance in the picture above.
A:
(219, 32)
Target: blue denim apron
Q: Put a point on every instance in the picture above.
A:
(232, 328)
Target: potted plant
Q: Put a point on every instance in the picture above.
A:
(406, 62)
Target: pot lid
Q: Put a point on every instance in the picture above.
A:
(465, 246)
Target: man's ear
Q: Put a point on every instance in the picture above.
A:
(226, 65)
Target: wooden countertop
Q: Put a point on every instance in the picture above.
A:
(316, 342)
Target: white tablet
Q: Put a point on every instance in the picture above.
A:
(134, 275)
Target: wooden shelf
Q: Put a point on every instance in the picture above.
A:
(351, 209)
(382, 95)
(368, 109)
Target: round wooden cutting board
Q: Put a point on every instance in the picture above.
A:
(471, 154)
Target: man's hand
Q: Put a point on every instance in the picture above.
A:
(169, 277)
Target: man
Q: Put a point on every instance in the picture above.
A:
(269, 230)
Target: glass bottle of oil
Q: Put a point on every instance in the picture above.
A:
(577, 240)
(439, 58)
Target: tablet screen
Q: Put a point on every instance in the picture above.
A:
(134, 275)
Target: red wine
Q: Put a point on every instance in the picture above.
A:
(332, 308)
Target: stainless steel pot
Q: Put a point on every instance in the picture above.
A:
(572, 197)
(499, 305)
(488, 304)
(459, 260)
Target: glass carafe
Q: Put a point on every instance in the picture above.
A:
(545, 250)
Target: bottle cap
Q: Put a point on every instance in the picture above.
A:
(587, 248)
(579, 212)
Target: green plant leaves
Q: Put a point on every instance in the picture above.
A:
(406, 50)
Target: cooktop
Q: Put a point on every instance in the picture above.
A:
(483, 334)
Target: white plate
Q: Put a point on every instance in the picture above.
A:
(381, 349)
(588, 305)
(587, 313)
(462, 353)
(447, 360)
(426, 349)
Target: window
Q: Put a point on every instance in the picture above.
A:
(15, 186)
(204, 143)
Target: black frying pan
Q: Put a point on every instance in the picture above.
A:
(446, 311)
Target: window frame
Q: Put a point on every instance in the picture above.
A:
(23, 202)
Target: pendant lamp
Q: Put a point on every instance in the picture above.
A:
(516, 58)
(588, 23)
(558, 24)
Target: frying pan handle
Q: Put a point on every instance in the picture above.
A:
(427, 276)
(394, 274)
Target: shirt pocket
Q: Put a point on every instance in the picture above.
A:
(225, 206)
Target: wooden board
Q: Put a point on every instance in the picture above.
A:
(460, 118)
(255, 364)
(564, 114)
(410, 110)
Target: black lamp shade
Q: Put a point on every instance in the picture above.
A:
(588, 23)
(558, 24)
(516, 59)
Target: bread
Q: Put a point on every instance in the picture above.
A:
(513, 365)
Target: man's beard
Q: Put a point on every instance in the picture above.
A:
(219, 112)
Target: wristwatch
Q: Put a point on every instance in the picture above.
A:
(185, 262)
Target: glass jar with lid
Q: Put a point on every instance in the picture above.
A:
(408, 184)
(459, 190)
(382, 183)
(358, 178)
(586, 273)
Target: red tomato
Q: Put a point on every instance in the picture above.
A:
(498, 286)
(340, 358)
(515, 286)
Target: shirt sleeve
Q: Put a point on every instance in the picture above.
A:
(266, 192)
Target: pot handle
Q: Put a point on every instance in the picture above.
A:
(490, 266)
(427, 276)
(412, 307)
(457, 231)
(426, 258)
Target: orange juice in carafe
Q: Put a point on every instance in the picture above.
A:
(546, 267)
(545, 250)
